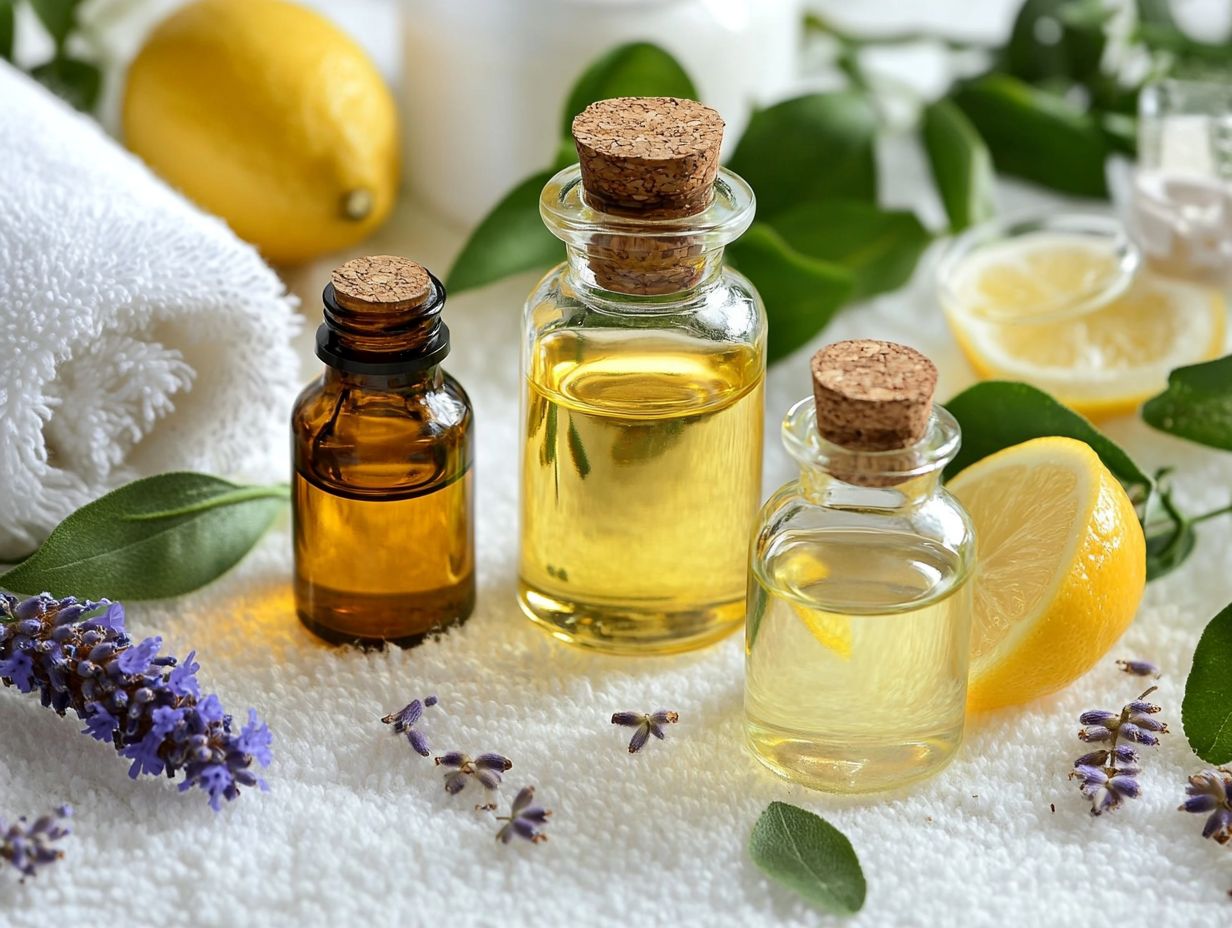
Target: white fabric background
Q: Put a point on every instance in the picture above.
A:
(357, 828)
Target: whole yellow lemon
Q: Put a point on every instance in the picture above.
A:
(264, 113)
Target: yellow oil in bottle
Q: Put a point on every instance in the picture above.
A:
(857, 658)
(641, 476)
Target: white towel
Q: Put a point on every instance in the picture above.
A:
(139, 335)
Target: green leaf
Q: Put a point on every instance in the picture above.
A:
(1036, 135)
(809, 856)
(879, 247)
(57, 17)
(638, 69)
(154, 538)
(509, 240)
(73, 80)
(6, 29)
(1169, 541)
(1197, 404)
(961, 165)
(801, 293)
(809, 148)
(1206, 711)
(1057, 39)
(998, 414)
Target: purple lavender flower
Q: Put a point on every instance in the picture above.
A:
(646, 725)
(404, 721)
(1108, 776)
(523, 820)
(29, 847)
(78, 656)
(486, 768)
(1139, 668)
(1211, 792)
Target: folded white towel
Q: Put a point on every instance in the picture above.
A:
(139, 335)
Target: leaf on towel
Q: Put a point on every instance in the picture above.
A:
(1197, 404)
(810, 856)
(1206, 711)
(154, 538)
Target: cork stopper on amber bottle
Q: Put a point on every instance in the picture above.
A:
(872, 395)
(381, 283)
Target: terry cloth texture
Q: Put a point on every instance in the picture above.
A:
(138, 334)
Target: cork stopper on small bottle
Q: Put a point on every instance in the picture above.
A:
(872, 395)
(381, 283)
(652, 157)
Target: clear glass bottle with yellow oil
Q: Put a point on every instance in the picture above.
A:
(382, 446)
(643, 362)
(859, 606)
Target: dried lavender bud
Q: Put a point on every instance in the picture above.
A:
(405, 719)
(1148, 723)
(1211, 792)
(1108, 776)
(1139, 668)
(646, 724)
(1097, 717)
(523, 820)
(486, 768)
(1095, 734)
(78, 656)
(1141, 707)
(29, 847)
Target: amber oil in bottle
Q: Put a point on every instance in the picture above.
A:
(382, 448)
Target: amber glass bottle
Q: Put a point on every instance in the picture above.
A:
(382, 448)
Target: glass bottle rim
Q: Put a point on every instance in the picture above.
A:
(933, 451)
(1099, 229)
(571, 219)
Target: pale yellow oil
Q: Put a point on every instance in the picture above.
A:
(641, 475)
(857, 659)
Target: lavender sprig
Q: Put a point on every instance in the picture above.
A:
(646, 725)
(1211, 792)
(29, 847)
(77, 656)
(1109, 775)
(523, 820)
(486, 768)
(404, 721)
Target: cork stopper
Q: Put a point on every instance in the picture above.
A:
(651, 157)
(872, 395)
(381, 283)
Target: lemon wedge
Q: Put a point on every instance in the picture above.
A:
(1061, 567)
(1061, 314)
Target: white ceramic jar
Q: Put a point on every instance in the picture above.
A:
(485, 81)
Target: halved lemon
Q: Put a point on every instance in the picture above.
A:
(1061, 567)
(1060, 313)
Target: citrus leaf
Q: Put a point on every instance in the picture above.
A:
(998, 413)
(1206, 711)
(879, 247)
(1036, 135)
(1057, 40)
(78, 82)
(1197, 404)
(801, 293)
(154, 538)
(6, 29)
(960, 163)
(809, 148)
(57, 17)
(509, 240)
(809, 856)
(638, 69)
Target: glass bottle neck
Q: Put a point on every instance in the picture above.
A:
(401, 382)
(394, 342)
(632, 274)
(827, 489)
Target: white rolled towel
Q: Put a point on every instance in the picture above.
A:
(138, 334)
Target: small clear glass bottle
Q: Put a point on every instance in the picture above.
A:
(382, 447)
(643, 363)
(859, 605)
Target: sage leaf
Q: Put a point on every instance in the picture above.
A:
(57, 17)
(151, 539)
(813, 147)
(879, 247)
(1206, 710)
(801, 293)
(7, 27)
(960, 163)
(509, 240)
(998, 413)
(78, 82)
(1197, 404)
(809, 856)
(638, 69)
(1036, 134)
